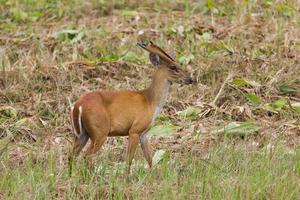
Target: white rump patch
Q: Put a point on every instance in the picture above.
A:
(72, 121)
(79, 121)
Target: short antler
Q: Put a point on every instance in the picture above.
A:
(155, 50)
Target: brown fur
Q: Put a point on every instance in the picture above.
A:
(122, 113)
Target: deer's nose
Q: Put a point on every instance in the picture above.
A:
(189, 81)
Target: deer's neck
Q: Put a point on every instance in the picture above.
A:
(158, 91)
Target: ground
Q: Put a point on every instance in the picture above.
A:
(233, 134)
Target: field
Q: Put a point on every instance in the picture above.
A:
(233, 134)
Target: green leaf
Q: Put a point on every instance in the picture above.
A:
(296, 106)
(163, 130)
(34, 16)
(270, 108)
(129, 13)
(253, 98)
(241, 82)
(279, 104)
(19, 15)
(276, 106)
(210, 4)
(163, 117)
(109, 58)
(70, 35)
(184, 60)
(78, 37)
(245, 82)
(239, 129)
(286, 88)
(9, 112)
(189, 112)
(131, 57)
(158, 156)
(227, 47)
(285, 9)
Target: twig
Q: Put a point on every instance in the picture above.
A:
(230, 75)
(276, 76)
(3, 66)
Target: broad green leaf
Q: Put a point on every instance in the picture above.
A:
(190, 112)
(238, 81)
(163, 117)
(286, 88)
(267, 3)
(34, 16)
(9, 112)
(276, 106)
(269, 107)
(184, 60)
(19, 15)
(163, 130)
(253, 98)
(296, 106)
(158, 156)
(66, 34)
(279, 104)
(285, 9)
(245, 82)
(227, 47)
(69, 35)
(109, 58)
(129, 13)
(210, 4)
(239, 129)
(78, 37)
(131, 57)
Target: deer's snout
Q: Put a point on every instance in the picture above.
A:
(188, 81)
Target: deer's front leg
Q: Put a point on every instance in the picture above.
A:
(132, 144)
(146, 147)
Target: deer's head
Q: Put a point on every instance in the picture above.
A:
(160, 58)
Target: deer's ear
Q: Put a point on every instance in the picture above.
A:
(155, 59)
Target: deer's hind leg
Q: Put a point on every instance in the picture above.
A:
(79, 143)
(97, 125)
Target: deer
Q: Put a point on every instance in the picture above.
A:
(101, 114)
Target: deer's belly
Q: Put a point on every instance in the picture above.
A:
(119, 128)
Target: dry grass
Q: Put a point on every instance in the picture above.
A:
(229, 43)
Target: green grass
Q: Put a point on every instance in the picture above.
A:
(233, 134)
(230, 172)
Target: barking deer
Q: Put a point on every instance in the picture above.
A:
(101, 114)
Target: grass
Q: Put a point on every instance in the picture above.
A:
(231, 172)
(234, 134)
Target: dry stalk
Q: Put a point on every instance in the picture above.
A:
(229, 76)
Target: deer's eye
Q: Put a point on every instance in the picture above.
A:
(173, 67)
